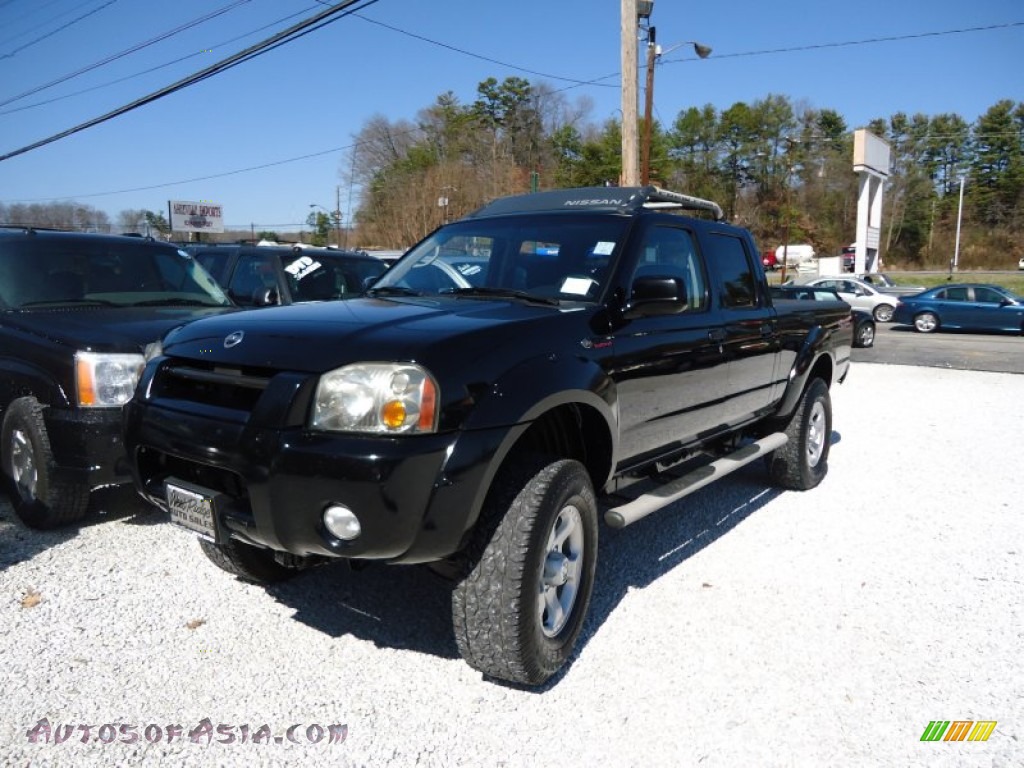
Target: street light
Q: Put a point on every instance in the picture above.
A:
(336, 216)
(953, 265)
(653, 53)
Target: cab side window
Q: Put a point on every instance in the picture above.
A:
(672, 252)
(735, 271)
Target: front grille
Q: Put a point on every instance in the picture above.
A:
(237, 389)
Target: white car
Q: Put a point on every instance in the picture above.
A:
(859, 295)
(1020, 264)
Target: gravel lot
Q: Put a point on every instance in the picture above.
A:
(745, 626)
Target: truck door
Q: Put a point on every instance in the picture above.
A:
(751, 339)
(669, 368)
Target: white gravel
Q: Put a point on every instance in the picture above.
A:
(745, 626)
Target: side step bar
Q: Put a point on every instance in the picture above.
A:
(621, 516)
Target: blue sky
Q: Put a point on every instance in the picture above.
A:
(315, 94)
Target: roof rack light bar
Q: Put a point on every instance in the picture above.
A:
(656, 197)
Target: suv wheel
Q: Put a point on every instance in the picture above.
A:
(247, 562)
(38, 496)
(803, 461)
(519, 611)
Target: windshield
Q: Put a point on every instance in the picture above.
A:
(535, 257)
(103, 272)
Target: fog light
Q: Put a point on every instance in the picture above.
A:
(342, 522)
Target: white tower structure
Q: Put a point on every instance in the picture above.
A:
(871, 162)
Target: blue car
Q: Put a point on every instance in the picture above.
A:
(968, 306)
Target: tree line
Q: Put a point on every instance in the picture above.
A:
(775, 167)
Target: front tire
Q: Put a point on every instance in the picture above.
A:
(247, 562)
(883, 313)
(926, 322)
(40, 498)
(803, 461)
(519, 611)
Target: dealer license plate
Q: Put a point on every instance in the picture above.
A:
(191, 507)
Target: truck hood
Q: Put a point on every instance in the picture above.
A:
(319, 337)
(105, 329)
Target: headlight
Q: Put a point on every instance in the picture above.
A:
(106, 380)
(381, 398)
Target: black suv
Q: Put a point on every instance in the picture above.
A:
(256, 276)
(77, 313)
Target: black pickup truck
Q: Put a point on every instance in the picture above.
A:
(473, 407)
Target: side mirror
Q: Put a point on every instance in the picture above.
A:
(265, 297)
(656, 295)
(369, 282)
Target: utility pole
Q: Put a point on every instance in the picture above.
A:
(652, 50)
(337, 214)
(629, 116)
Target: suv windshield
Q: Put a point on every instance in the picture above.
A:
(521, 257)
(103, 272)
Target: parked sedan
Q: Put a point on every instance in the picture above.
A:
(863, 322)
(858, 295)
(968, 306)
(256, 276)
(884, 283)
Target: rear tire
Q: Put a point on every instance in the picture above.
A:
(803, 461)
(519, 611)
(38, 496)
(865, 334)
(883, 313)
(247, 562)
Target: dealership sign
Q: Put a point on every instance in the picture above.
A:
(203, 216)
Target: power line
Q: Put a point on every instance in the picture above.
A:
(847, 43)
(476, 55)
(153, 69)
(126, 52)
(310, 155)
(289, 35)
(58, 29)
(42, 24)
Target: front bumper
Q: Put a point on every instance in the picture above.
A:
(415, 496)
(87, 445)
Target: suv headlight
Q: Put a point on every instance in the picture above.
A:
(380, 398)
(105, 380)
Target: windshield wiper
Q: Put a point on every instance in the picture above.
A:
(179, 302)
(392, 290)
(57, 302)
(503, 293)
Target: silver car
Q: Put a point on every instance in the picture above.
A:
(885, 284)
(859, 295)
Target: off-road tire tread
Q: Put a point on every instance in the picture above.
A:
(786, 465)
(60, 502)
(247, 562)
(486, 611)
